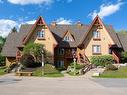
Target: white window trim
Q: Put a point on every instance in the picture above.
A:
(96, 49)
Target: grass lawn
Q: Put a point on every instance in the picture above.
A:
(49, 71)
(72, 74)
(2, 70)
(120, 73)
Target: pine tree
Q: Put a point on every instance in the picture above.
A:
(14, 29)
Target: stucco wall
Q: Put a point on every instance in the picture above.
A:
(49, 42)
(10, 60)
(104, 42)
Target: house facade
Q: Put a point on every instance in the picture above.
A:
(65, 42)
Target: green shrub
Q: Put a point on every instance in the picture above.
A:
(2, 70)
(78, 66)
(2, 60)
(111, 67)
(50, 69)
(102, 60)
(124, 57)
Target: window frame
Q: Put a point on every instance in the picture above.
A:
(60, 63)
(68, 39)
(41, 34)
(96, 35)
(60, 51)
(93, 51)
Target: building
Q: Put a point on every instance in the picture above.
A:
(62, 41)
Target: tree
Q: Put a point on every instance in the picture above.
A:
(123, 32)
(2, 41)
(14, 29)
(124, 57)
(35, 50)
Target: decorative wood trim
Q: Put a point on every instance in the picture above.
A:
(33, 27)
(41, 38)
(97, 39)
(92, 24)
(97, 53)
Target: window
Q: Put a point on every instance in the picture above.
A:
(41, 34)
(60, 63)
(96, 35)
(60, 51)
(68, 38)
(96, 49)
(73, 51)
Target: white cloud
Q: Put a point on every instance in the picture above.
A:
(30, 22)
(107, 9)
(63, 21)
(25, 2)
(5, 26)
(1, 1)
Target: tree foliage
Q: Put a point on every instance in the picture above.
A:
(14, 29)
(123, 32)
(124, 57)
(102, 60)
(2, 41)
(2, 60)
(35, 50)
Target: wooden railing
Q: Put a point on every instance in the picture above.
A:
(116, 57)
(82, 58)
(86, 68)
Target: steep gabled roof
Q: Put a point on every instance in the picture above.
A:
(68, 33)
(78, 32)
(123, 40)
(9, 48)
(108, 28)
(40, 21)
(15, 40)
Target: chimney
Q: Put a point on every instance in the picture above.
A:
(53, 24)
(79, 24)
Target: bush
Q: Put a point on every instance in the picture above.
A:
(78, 66)
(50, 69)
(102, 60)
(124, 57)
(111, 67)
(2, 60)
(27, 60)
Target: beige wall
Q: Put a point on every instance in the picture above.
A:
(48, 42)
(104, 42)
(10, 60)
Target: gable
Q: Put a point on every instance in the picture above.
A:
(68, 37)
(38, 26)
(96, 25)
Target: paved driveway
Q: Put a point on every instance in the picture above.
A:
(10, 85)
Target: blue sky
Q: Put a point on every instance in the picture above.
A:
(17, 12)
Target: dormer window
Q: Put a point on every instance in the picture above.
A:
(68, 39)
(96, 35)
(41, 34)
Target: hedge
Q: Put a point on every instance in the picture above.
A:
(102, 60)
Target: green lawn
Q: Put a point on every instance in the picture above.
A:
(2, 70)
(120, 73)
(49, 71)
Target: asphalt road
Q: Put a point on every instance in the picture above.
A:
(10, 85)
